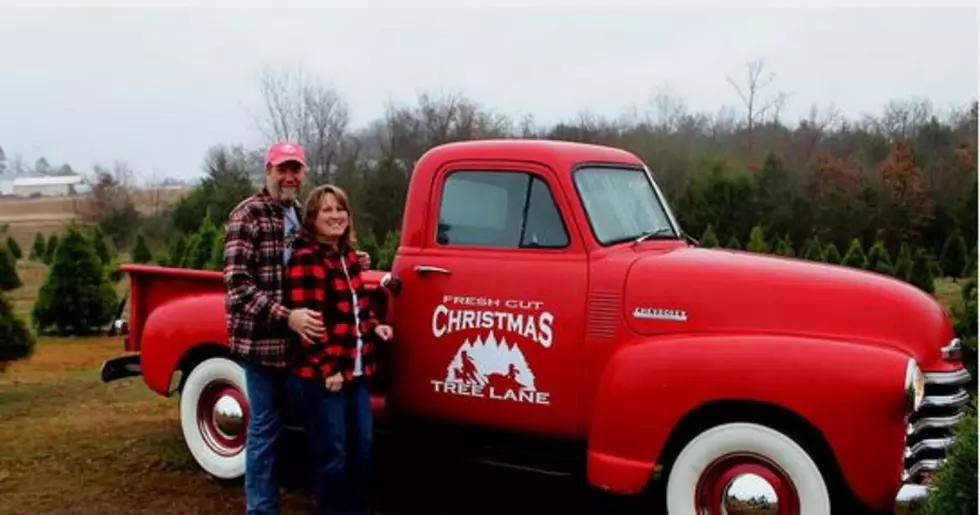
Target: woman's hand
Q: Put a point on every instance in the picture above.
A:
(334, 382)
(384, 332)
(364, 259)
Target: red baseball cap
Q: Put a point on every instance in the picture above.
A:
(283, 151)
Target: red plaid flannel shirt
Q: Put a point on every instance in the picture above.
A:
(257, 319)
(315, 280)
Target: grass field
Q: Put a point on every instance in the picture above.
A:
(71, 444)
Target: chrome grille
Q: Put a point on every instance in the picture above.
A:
(930, 430)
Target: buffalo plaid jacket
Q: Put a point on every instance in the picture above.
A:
(315, 280)
(257, 319)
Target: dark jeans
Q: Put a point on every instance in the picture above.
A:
(266, 389)
(340, 433)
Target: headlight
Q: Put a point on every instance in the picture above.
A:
(915, 386)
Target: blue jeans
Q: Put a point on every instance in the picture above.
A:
(339, 433)
(266, 389)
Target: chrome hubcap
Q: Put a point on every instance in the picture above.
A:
(749, 493)
(229, 417)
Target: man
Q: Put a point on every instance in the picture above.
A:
(258, 236)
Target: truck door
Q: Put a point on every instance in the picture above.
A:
(491, 314)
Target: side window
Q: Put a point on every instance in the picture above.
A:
(499, 209)
(482, 208)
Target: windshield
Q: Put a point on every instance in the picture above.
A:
(621, 204)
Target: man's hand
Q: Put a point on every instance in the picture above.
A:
(306, 322)
(334, 382)
(385, 332)
(364, 259)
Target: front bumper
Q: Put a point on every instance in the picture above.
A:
(120, 368)
(911, 499)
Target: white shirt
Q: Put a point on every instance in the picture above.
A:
(357, 322)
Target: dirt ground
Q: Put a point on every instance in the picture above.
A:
(71, 444)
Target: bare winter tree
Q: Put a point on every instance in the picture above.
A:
(757, 109)
(303, 108)
(815, 126)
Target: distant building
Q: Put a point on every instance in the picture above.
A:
(54, 185)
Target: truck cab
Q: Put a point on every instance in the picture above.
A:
(547, 298)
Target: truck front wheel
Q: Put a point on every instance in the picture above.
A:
(738, 467)
(214, 416)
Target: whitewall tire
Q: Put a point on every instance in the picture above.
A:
(744, 464)
(214, 415)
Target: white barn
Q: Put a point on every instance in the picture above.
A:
(54, 185)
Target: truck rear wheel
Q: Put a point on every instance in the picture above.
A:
(738, 467)
(214, 415)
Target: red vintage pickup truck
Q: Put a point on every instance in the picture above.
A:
(550, 312)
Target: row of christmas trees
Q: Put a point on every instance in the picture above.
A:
(919, 267)
(76, 297)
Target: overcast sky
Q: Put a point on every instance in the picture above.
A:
(157, 87)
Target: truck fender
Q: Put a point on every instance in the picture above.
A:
(172, 330)
(849, 397)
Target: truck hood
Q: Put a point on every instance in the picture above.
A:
(697, 290)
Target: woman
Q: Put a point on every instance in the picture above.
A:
(332, 375)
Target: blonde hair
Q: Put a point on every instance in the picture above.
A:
(312, 207)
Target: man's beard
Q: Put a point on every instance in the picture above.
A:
(287, 194)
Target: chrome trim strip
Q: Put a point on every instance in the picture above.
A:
(934, 422)
(924, 466)
(961, 376)
(946, 401)
(928, 444)
(675, 225)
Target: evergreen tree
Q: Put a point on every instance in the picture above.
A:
(38, 250)
(878, 260)
(812, 250)
(14, 248)
(141, 251)
(921, 275)
(192, 244)
(970, 269)
(199, 256)
(177, 250)
(16, 340)
(708, 239)
(855, 257)
(954, 256)
(217, 261)
(733, 243)
(367, 243)
(386, 254)
(9, 280)
(50, 249)
(831, 254)
(104, 248)
(76, 297)
(784, 248)
(955, 485)
(757, 241)
(903, 264)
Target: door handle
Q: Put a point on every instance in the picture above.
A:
(424, 269)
